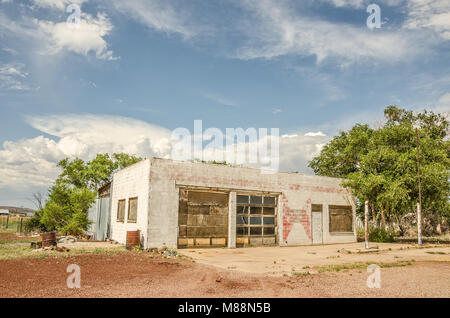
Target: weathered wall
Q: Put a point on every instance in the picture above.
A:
(296, 194)
(128, 183)
(163, 212)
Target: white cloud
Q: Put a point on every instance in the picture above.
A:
(57, 4)
(297, 150)
(12, 77)
(275, 29)
(445, 99)
(88, 37)
(443, 105)
(315, 134)
(13, 69)
(49, 38)
(31, 162)
(429, 14)
(347, 3)
(362, 4)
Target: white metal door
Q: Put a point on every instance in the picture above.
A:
(317, 228)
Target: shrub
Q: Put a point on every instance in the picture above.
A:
(380, 235)
(377, 234)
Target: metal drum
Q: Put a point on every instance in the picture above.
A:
(133, 239)
(48, 239)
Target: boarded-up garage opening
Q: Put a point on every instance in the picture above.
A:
(255, 220)
(202, 219)
(341, 219)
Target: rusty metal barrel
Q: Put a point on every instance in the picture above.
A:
(133, 239)
(48, 239)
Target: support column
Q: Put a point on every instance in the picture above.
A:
(232, 220)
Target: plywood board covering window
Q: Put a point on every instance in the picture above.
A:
(132, 210)
(202, 219)
(341, 219)
(121, 211)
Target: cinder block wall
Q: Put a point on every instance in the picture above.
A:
(297, 193)
(128, 183)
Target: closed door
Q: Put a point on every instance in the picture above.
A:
(317, 228)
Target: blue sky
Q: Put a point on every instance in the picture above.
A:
(135, 70)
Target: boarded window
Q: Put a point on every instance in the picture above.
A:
(316, 207)
(341, 218)
(132, 210)
(203, 219)
(121, 211)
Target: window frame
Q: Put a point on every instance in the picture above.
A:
(128, 214)
(349, 208)
(118, 219)
(249, 227)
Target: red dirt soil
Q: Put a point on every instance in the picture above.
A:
(136, 275)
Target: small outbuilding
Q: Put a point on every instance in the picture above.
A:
(100, 214)
(188, 205)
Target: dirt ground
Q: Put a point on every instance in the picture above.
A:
(279, 261)
(108, 270)
(131, 274)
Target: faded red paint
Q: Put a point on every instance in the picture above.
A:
(298, 187)
(291, 216)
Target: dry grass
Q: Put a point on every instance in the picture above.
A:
(359, 265)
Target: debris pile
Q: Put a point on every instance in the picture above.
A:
(67, 239)
(52, 248)
(165, 252)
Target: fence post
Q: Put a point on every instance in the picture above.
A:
(7, 221)
(366, 223)
(21, 219)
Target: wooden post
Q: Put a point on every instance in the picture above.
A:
(21, 220)
(7, 221)
(419, 224)
(366, 223)
(419, 205)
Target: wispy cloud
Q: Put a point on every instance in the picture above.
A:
(220, 99)
(276, 111)
(13, 77)
(429, 14)
(276, 29)
(159, 15)
(57, 4)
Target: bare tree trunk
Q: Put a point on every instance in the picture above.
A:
(374, 216)
(383, 219)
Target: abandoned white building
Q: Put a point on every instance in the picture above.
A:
(186, 204)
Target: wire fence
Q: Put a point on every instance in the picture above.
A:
(13, 222)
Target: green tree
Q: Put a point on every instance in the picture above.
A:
(74, 191)
(380, 165)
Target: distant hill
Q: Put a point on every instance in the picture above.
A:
(17, 210)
